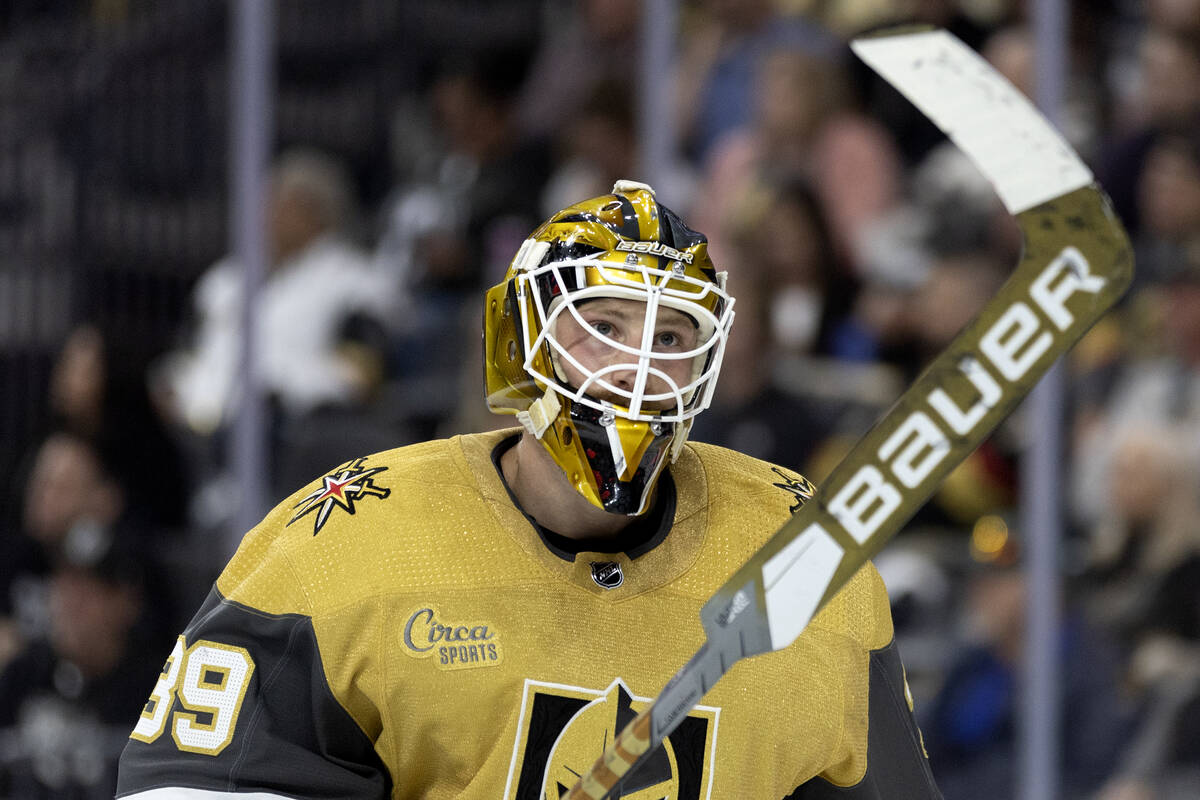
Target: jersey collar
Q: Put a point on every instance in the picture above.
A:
(651, 555)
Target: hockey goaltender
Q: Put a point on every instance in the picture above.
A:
(478, 617)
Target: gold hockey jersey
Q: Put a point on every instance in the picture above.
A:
(401, 629)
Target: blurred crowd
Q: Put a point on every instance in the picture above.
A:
(857, 241)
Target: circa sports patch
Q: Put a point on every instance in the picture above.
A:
(450, 642)
(342, 488)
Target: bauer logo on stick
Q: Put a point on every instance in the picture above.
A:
(1017, 340)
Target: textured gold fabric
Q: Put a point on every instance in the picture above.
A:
(454, 637)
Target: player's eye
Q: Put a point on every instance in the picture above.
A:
(674, 339)
(604, 328)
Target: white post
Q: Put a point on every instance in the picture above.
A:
(655, 105)
(251, 78)
(1039, 724)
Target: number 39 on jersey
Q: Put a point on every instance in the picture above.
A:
(209, 681)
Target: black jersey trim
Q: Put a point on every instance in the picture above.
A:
(896, 762)
(641, 536)
(294, 738)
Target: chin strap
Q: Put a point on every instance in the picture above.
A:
(541, 413)
(608, 421)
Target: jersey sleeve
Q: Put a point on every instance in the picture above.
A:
(896, 762)
(882, 754)
(243, 709)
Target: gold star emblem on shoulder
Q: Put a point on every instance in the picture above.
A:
(342, 488)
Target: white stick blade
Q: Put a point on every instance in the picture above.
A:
(1024, 157)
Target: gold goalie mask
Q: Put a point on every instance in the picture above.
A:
(605, 339)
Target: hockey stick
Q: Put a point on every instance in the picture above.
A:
(1076, 262)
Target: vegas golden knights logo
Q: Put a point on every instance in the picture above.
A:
(800, 488)
(347, 485)
(563, 729)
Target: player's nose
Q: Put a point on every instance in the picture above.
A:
(623, 378)
(613, 387)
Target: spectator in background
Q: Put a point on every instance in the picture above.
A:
(1147, 530)
(68, 700)
(76, 506)
(1165, 74)
(1158, 390)
(1135, 486)
(600, 144)
(1144, 585)
(441, 223)
(449, 232)
(751, 411)
(588, 43)
(68, 489)
(790, 296)
(970, 732)
(781, 238)
(500, 172)
(99, 390)
(891, 264)
(595, 147)
(804, 125)
(1168, 198)
(721, 67)
(317, 284)
(1162, 759)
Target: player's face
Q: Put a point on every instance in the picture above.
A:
(623, 321)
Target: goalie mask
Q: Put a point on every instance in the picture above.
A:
(605, 339)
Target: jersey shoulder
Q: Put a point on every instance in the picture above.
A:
(741, 481)
(861, 611)
(360, 528)
(749, 499)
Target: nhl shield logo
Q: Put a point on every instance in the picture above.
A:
(607, 574)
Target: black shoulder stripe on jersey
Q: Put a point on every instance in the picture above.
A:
(292, 736)
(896, 763)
